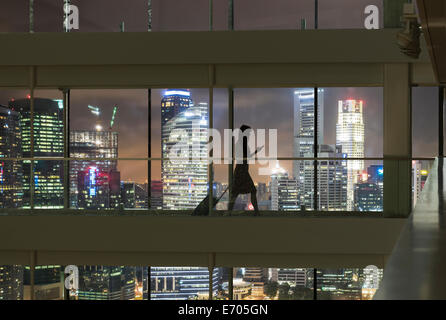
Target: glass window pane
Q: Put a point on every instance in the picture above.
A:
(183, 283)
(278, 14)
(14, 16)
(107, 283)
(107, 16)
(11, 282)
(253, 283)
(347, 14)
(179, 136)
(172, 15)
(348, 284)
(425, 121)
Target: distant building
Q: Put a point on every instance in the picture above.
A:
(95, 144)
(98, 189)
(141, 196)
(304, 126)
(350, 135)
(156, 199)
(107, 283)
(182, 283)
(48, 283)
(332, 180)
(292, 276)
(185, 181)
(11, 188)
(128, 195)
(11, 282)
(284, 191)
(368, 197)
(48, 142)
(339, 284)
(255, 275)
(419, 177)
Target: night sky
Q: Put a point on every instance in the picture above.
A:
(260, 108)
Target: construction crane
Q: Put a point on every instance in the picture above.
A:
(95, 110)
(115, 109)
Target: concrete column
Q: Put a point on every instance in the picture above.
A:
(397, 136)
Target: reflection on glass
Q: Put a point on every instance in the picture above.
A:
(420, 172)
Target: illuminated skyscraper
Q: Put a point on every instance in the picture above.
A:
(182, 283)
(48, 142)
(48, 283)
(331, 180)
(294, 276)
(91, 144)
(173, 103)
(350, 135)
(98, 189)
(284, 191)
(185, 181)
(11, 192)
(128, 194)
(304, 128)
(368, 197)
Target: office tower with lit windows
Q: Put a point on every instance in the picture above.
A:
(11, 282)
(156, 194)
(173, 103)
(184, 184)
(96, 144)
(293, 276)
(98, 189)
(304, 128)
(350, 135)
(284, 191)
(331, 180)
(368, 197)
(11, 192)
(182, 283)
(185, 180)
(107, 283)
(48, 283)
(255, 274)
(339, 284)
(48, 142)
(128, 194)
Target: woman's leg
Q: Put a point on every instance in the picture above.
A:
(254, 202)
(232, 199)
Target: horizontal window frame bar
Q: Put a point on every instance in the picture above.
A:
(212, 158)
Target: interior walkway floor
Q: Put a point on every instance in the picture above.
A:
(417, 267)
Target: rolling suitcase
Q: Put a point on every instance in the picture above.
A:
(203, 208)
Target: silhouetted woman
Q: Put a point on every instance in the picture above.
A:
(242, 182)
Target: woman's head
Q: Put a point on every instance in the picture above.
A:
(244, 127)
